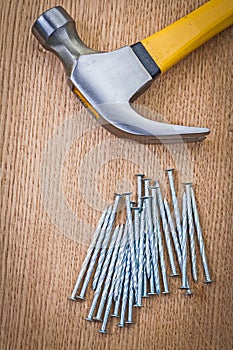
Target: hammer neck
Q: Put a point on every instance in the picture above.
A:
(67, 46)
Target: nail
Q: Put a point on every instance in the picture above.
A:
(131, 241)
(116, 308)
(106, 240)
(170, 173)
(152, 284)
(120, 288)
(147, 251)
(191, 231)
(157, 231)
(185, 282)
(130, 303)
(200, 239)
(173, 233)
(108, 306)
(184, 243)
(153, 244)
(141, 258)
(136, 231)
(111, 270)
(103, 233)
(88, 255)
(166, 230)
(107, 256)
(147, 187)
(125, 292)
(120, 261)
(139, 189)
(144, 288)
(98, 290)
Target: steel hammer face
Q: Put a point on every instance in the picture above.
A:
(106, 82)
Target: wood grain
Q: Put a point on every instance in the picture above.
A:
(44, 237)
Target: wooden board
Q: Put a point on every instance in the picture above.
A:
(59, 169)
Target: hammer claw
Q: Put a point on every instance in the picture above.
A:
(123, 121)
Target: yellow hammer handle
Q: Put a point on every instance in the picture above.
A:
(176, 41)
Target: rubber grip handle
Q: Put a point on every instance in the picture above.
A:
(171, 44)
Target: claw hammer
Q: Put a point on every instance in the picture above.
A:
(106, 82)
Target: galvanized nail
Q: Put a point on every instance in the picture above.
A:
(108, 306)
(106, 240)
(130, 303)
(146, 187)
(170, 173)
(125, 292)
(191, 231)
(131, 241)
(120, 261)
(166, 230)
(152, 283)
(110, 273)
(139, 189)
(173, 233)
(153, 244)
(109, 256)
(141, 258)
(184, 242)
(200, 239)
(157, 232)
(147, 251)
(136, 231)
(103, 233)
(144, 288)
(88, 255)
(119, 289)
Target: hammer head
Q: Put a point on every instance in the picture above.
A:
(106, 82)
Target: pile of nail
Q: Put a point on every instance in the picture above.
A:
(128, 262)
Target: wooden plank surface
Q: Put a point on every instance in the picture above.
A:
(59, 169)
